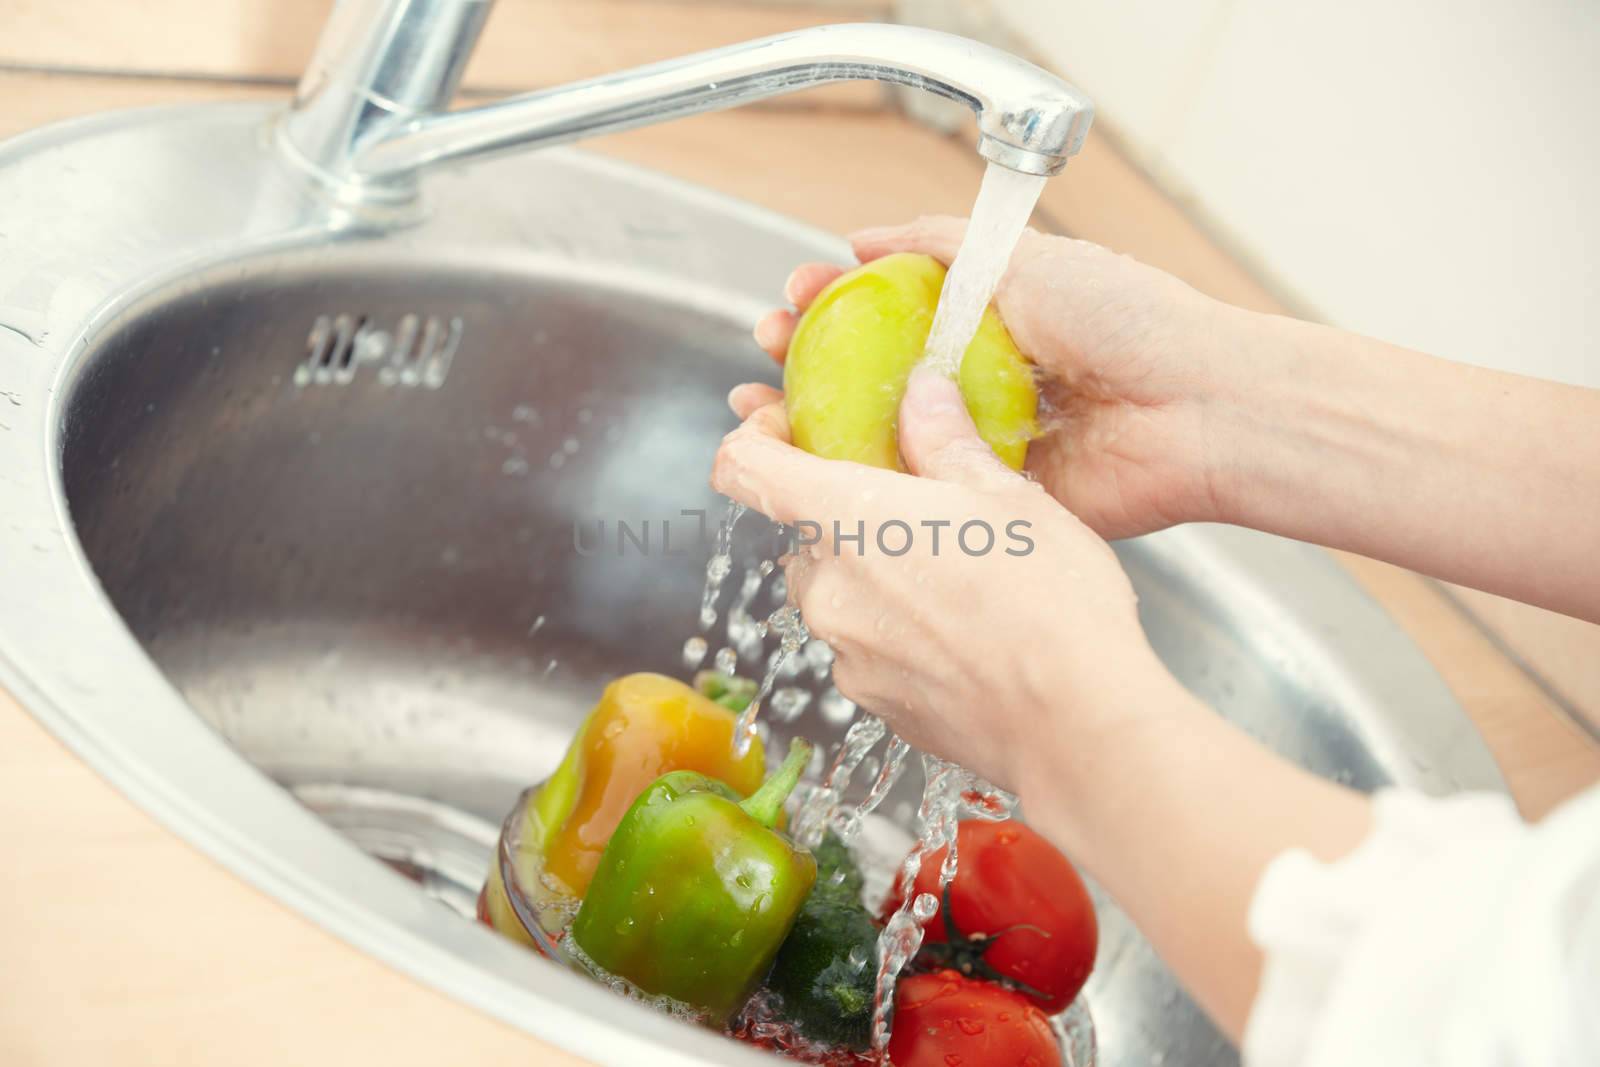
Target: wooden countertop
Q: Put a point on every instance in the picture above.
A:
(125, 945)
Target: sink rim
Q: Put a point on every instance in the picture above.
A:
(147, 742)
(143, 737)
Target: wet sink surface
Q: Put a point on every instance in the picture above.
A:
(372, 591)
(348, 580)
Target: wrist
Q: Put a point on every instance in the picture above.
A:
(1096, 743)
(1287, 401)
(1214, 409)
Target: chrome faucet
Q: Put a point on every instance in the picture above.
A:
(371, 111)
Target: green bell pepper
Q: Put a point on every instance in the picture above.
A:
(696, 891)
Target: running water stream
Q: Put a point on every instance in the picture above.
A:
(1005, 201)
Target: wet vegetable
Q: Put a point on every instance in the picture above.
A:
(1017, 912)
(838, 874)
(949, 1020)
(696, 891)
(729, 690)
(825, 970)
(643, 726)
(854, 349)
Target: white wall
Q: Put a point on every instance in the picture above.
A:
(1427, 171)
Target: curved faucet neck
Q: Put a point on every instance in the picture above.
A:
(372, 110)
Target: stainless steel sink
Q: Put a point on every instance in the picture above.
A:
(287, 540)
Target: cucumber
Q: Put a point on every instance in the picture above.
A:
(826, 969)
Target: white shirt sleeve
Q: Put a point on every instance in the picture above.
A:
(1455, 935)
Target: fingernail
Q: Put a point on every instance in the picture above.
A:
(766, 331)
(871, 233)
(791, 288)
(931, 393)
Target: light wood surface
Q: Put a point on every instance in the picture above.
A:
(122, 944)
(526, 44)
(125, 946)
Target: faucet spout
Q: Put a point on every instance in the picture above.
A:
(1028, 119)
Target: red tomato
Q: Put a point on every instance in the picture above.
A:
(1017, 912)
(948, 1020)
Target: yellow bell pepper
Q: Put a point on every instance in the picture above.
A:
(644, 726)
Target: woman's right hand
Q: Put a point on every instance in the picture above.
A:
(1129, 360)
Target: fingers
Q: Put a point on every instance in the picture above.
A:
(938, 438)
(746, 399)
(818, 588)
(758, 467)
(773, 331)
(807, 281)
(936, 235)
(776, 328)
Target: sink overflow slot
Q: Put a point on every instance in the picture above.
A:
(418, 351)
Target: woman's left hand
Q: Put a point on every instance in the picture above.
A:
(971, 608)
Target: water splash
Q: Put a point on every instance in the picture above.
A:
(812, 820)
(837, 709)
(788, 704)
(847, 824)
(745, 632)
(621, 986)
(949, 792)
(818, 655)
(719, 565)
(999, 215)
(792, 634)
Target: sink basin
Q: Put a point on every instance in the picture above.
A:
(303, 542)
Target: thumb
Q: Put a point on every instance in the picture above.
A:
(938, 438)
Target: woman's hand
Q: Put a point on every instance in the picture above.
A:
(1172, 407)
(937, 611)
(1029, 667)
(1129, 360)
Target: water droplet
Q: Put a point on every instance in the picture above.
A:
(837, 709)
(694, 652)
(819, 657)
(726, 660)
(788, 704)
